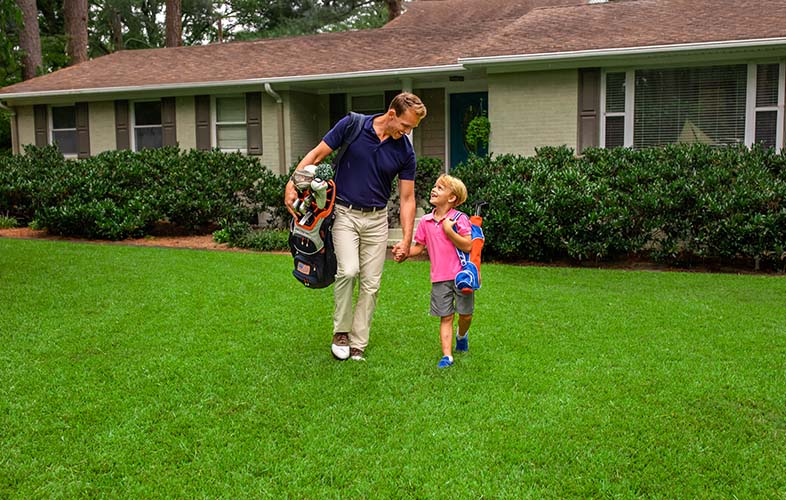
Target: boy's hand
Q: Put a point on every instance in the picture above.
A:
(400, 252)
(448, 225)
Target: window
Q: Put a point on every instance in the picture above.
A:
(231, 123)
(368, 104)
(704, 105)
(64, 129)
(766, 108)
(614, 124)
(148, 132)
(717, 105)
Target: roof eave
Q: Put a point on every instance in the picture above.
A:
(579, 56)
(253, 82)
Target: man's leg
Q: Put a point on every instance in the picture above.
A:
(345, 241)
(373, 247)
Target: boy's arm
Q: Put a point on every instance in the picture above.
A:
(462, 242)
(416, 249)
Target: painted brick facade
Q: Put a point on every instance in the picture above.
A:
(529, 110)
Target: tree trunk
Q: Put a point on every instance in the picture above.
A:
(394, 9)
(117, 32)
(174, 23)
(75, 16)
(30, 39)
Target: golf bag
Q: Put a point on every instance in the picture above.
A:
(468, 279)
(311, 236)
(311, 240)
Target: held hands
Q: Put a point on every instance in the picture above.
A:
(400, 251)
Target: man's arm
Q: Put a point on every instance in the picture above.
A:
(407, 214)
(313, 157)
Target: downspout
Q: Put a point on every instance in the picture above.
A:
(283, 168)
(14, 128)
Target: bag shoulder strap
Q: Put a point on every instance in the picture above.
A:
(352, 132)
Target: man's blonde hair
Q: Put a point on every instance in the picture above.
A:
(404, 101)
(455, 186)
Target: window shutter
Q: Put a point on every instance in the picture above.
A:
(39, 118)
(82, 130)
(254, 122)
(168, 121)
(202, 105)
(589, 102)
(122, 125)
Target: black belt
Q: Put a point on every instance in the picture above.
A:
(358, 208)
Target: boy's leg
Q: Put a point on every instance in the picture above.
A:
(464, 322)
(446, 335)
(465, 306)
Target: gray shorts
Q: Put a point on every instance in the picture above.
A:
(447, 300)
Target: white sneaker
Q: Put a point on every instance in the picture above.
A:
(357, 354)
(340, 347)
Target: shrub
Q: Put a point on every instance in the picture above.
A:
(679, 204)
(265, 240)
(118, 194)
(7, 222)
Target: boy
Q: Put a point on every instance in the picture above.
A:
(442, 231)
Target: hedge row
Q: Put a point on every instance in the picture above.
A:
(121, 194)
(679, 204)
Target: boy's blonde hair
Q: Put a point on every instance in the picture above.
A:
(455, 186)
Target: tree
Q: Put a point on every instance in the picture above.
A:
(30, 39)
(174, 28)
(75, 14)
(394, 9)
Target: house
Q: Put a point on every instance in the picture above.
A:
(546, 72)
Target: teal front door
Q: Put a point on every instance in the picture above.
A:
(463, 108)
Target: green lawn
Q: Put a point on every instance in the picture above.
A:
(132, 372)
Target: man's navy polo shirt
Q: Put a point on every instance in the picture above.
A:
(368, 168)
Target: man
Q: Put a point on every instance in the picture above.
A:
(363, 180)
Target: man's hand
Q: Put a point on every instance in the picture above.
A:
(290, 196)
(400, 251)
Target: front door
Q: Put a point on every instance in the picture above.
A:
(463, 108)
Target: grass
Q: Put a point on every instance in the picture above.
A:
(130, 372)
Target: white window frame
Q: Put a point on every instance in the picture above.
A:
(52, 129)
(627, 114)
(214, 122)
(134, 126)
(750, 103)
(751, 109)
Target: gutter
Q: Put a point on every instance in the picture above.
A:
(281, 142)
(14, 128)
(420, 70)
(468, 62)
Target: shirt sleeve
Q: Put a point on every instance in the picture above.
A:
(409, 168)
(420, 234)
(463, 225)
(335, 137)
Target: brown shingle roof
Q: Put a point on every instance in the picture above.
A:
(431, 33)
(636, 23)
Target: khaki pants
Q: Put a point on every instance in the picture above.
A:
(360, 240)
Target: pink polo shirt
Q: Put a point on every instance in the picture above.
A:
(441, 251)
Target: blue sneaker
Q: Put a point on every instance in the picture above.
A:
(444, 362)
(462, 344)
